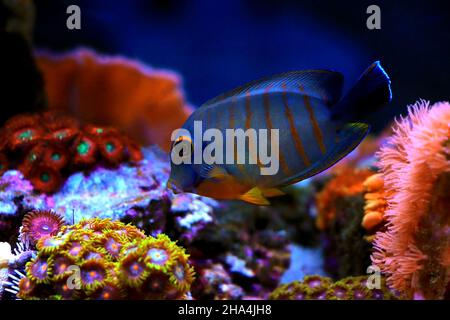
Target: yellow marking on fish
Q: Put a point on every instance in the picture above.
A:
(312, 118)
(294, 133)
(284, 165)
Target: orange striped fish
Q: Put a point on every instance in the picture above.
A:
(316, 128)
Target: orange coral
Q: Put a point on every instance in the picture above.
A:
(348, 182)
(415, 165)
(146, 103)
(376, 203)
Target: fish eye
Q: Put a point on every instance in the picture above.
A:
(184, 139)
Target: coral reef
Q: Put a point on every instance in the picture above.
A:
(112, 91)
(414, 251)
(105, 259)
(134, 194)
(214, 282)
(323, 288)
(47, 147)
(340, 206)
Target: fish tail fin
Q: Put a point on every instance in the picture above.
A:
(371, 92)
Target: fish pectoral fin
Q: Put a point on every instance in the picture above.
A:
(255, 196)
(218, 173)
(272, 192)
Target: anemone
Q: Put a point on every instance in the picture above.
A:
(26, 288)
(112, 243)
(93, 273)
(40, 269)
(109, 290)
(93, 253)
(45, 179)
(40, 223)
(63, 135)
(61, 265)
(56, 157)
(63, 290)
(49, 244)
(131, 233)
(75, 249)
(132, 270)
(20, 121)
(133, 150)
(111, 148)
(182, 275)
(157, 285)
(85, 151)
(54, 121)
(415, 167)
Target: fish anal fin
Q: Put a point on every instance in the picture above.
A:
(255, 196)
(272, 192)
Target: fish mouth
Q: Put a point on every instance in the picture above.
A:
(171, 185)
(176, 189)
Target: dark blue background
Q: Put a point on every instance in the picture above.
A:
(218, 45)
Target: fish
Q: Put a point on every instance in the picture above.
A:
(316, 128)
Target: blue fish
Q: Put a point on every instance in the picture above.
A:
(316, 128)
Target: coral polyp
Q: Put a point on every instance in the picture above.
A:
(110, 261)
(39, 224)
(47, 147)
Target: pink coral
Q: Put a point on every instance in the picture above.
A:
(415, 164)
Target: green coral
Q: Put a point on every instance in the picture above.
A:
(323, 288)
(105, 259)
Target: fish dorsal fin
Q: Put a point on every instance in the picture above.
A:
(321, 84)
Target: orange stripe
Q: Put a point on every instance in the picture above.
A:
(294, 133)
(248, 120)
(248, 111)
(312, 118)
(284, 165)
(231, 110)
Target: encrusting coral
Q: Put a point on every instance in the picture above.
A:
(47, 147)
(105, 259)
(146, 103)
(414, 251)
(323, 288)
